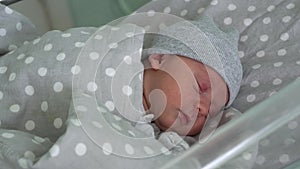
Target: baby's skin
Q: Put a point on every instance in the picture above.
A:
(181, 92)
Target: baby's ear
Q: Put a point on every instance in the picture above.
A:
(156, 61)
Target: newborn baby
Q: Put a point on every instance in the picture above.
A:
(191, 70)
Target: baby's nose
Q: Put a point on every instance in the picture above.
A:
(203, 108)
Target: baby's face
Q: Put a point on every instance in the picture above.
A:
(181, 93)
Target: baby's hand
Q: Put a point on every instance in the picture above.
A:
(144, 126)
(173, 141)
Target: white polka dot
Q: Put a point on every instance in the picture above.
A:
(8, 135)
(110, 105)
(256, 66)
(81, 108)
(39, 139)
(29, 125)
(57, 123)
(260, 54)
(271, 8)
(107, 148)
(1, 95)
(54, 151)
(187, 0)
(127, 90)
(183, 12)
(117, 118)
(267, 20)
(98, 37)
(29, 90)
(94, 55)
(75, 69)
(127, 59)
(165, 151)
(114, 28)
(75, 122)
(8, 10)
(129, 34)
(29, 155)
(231, 7)
(101, 109)
(61, 56)
(58, 87)
(227, 21)
(254, 83)
(289, 141)
(251, 98)
(23, 163)
(284, 158)
(79, 44)
(92, 86)
(167, 10)
(277, 64)
(129, 149)
(251, 8)
(281, 52)
(298, 62)
(110, 72)
(265, 142)
(290, 6)
(247, 21)
(42, 71)
(241, 54)
(260, 159)
(247, 156)
(3, 69)
(113, 45)
(12, 76)
(66, 35)
(200, 10)
(14, 108)
(19, 26)
(29, 60)
(151, 13)
(97, 124)
(277, 81)
(116, 126)
(214, 2)
(2, 32)
(284, 36)
(12, 47)
(85, 33)
(48, 47)
(264, 38)
(292, 125)
(80, 149)
(131, 133)
(21, 56)
(148, 150)
(286, 19)
(37, 40)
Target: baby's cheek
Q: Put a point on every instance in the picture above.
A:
(197, 127)
(158, 102)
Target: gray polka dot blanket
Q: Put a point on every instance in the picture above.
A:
(63, 95)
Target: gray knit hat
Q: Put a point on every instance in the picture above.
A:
(203, 41)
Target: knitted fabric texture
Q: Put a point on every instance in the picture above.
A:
(203, 41)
